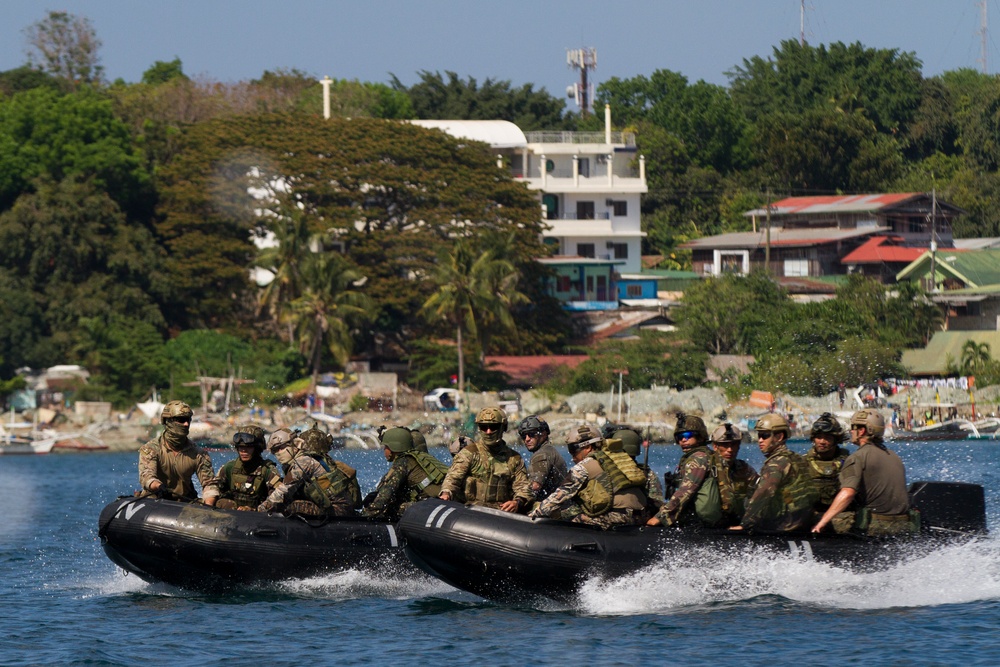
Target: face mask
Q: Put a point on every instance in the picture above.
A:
(492, 438)
(285, 455)
(176, 434)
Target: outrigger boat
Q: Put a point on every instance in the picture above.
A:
(191, 545)
(511, 558)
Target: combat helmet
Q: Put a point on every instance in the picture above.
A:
(631, 442)
(175, 409)
(587, 434)
(419, 441)
(872, 420)
(492, 416)
(773, 422)
(727, 433)
(249, 434)
(398, 439)
(691, 423)
(532, 423)
(281, 438)
(315, 441)
(828, 425)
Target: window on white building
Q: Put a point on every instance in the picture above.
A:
(585, 250)
(620, 250)
(619, 208)
(585, 210)
(797, 267)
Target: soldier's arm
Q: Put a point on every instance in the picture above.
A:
(575, 479)
(455, 479)
(209, 489)
(386, 493)
(767, 486)
(149, 466)
(695, 471)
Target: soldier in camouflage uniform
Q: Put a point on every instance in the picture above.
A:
(632, 445)
(606, 486)
(419, 441)
(167, 463)
(872, 499)
(826, 458)
(413, 476)
(547, 467)
(245, 481)
(307, 488)
(696, 500)
(488, 472)
(737, 478)
(785, 493)
(317, 444)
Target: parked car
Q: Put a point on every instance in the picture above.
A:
(444, 399)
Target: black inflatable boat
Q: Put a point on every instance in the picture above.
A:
(511, 558)
(194, 546)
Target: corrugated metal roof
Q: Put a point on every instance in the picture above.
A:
(974, 268)
(943, 347)
(496, 133)
(834, 204)
(879, 249)
(781, 237)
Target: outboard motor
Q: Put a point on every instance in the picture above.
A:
(950, 506)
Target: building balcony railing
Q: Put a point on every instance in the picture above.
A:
(624, 138)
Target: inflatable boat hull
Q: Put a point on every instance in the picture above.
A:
(194, 546)
(512, 558)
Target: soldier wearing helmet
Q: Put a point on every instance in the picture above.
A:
(419, 441)
(167, 463)
(487, 471)
(547, 467)
(317, 444)
(245, 481)
(696, 500)
(604, 488)
(786, 494)
(307, 487)
(632, 445)
(736, 477)
(872, 499)
(413, 475)
(826, 458)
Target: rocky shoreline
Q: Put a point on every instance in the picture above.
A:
(651, 410)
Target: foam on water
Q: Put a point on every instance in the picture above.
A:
(360, 584)
(954, 574)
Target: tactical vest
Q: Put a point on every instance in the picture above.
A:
(733, 493)
(620, 468)
(250, 489)
(491, 478)
(335, 485)
(798, 494)
(434, 472)
(826, 474)
(706, 506)
(609, 487)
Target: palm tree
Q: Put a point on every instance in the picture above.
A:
(291, 232)
(327, 308)
(976, 357)
(475, 293)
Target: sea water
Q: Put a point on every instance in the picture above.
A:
(63, 602)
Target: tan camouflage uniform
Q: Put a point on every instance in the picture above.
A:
(174, 468)
(564, 498)
(737, 480)
(500, 463)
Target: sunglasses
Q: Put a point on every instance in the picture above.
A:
(486, 428)
(531, 434)
(684, 435)
(764, 435)
(244, 439)
(181, 420)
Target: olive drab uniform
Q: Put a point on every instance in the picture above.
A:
(332, 465)
(607, 486)
(881, 503)
(737, 479)
(785, 494)
(826, 474)
(307, 480)
(697, 499)
(247, 484)
(413, 476)
(174, 467)
(488, 476)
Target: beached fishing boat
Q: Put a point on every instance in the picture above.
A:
(507, 557)
(194, 546)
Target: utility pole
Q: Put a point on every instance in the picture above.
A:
(326, 81)
(933, 240)
(802, 23)
(982, 35)
(767, 237)
(584, 59)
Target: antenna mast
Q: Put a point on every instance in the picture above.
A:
(584, 59)
(802, 22)
(982, 35)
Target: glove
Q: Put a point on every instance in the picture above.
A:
(265, 507)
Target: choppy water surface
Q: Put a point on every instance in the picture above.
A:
(63, 602)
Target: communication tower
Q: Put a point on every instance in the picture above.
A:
(584, 59)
